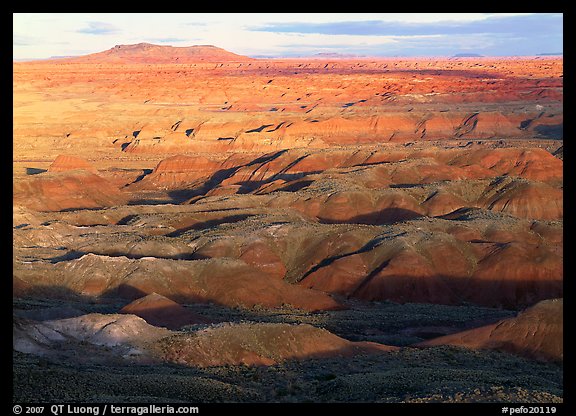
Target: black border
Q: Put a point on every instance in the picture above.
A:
(392, 408)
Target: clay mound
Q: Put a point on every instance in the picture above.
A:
(553, 235)
(442, 202)
(64, 163)
(260, 344)
(418, 266)
(225, 344)
(359, 206)
(103, 330)
(233, 283)
(224, 281)
(67, 190)
(19, 287)
(158, 310)
(177, 171)
(427, 170)
(323, 160)
(260, 256)
(490, 124)
(409, 276)
(525, 199)
(536, 333)
(538, 165)
(266, 167)
(406, 268)
(286, 250)
(146, 53)
(393, 206)
(532, 163)
(122, 177)
(345, 207)
(520, 273)
(181, 163)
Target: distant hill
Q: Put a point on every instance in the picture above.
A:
(550, 54)
(335, 55)
(468, 55)
(325, 56)
(148, 53)
(42, 59)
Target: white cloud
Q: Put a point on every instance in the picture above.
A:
(44, 34)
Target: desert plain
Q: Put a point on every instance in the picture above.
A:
(195, 225)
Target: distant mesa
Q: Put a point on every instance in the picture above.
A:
(550, 54)
(265, 57)
(158, 54)
(335, 55)
(325, 55)
(467, 55)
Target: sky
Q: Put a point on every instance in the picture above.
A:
(44, 35)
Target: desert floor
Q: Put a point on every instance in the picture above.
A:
(288, 230)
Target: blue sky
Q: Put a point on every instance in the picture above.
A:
(42, 35)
